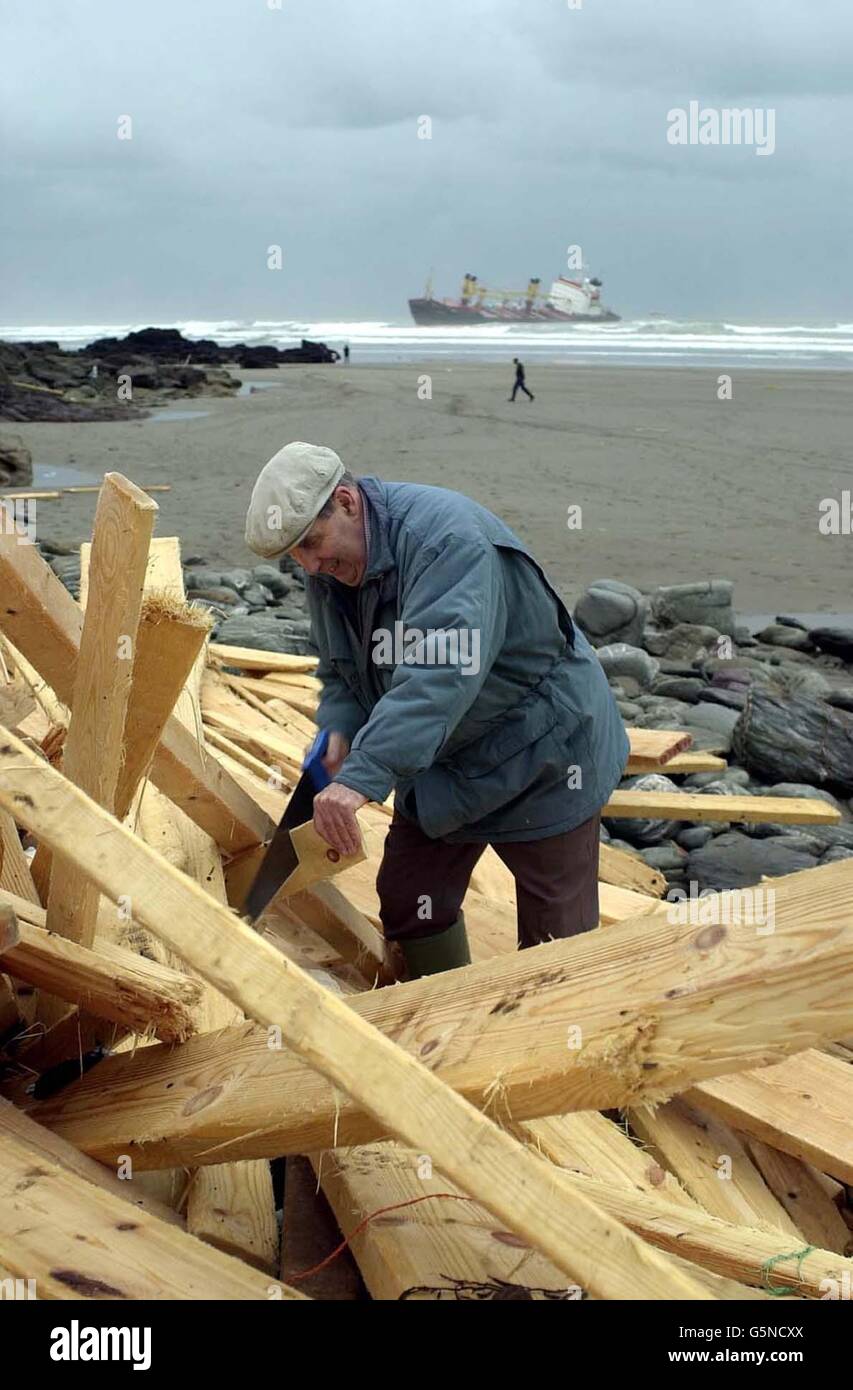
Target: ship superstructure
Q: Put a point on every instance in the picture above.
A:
(566, 301)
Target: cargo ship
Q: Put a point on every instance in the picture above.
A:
(567, 301)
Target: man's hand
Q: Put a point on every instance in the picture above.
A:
(336, 752)
(334, 817)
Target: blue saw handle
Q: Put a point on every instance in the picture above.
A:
(313, 763)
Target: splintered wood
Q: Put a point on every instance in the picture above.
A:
(453, 1122)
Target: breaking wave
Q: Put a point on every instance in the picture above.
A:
(651, 341)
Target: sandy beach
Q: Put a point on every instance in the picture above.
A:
(673, 484)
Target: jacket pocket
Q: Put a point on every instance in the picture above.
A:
(515, 733)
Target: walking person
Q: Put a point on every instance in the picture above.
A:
(519, 381)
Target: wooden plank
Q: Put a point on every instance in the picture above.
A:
(443, 1247)
(325, 909)
(43, 1144)
(624, 870)
(95, 487)
(222, 743)
(79, 1241)
(760, 1258)
(54, 710)
(270, 746)
(492, 878)
(94, 748)
(232, 1205)
(248, 659)
(301, 702)
(801, 1191)
(113, 983)
(224, 699)
(801, 1106)
(593, 1146)
(206, 793)
(678, 764)
(657, 746)
(402, 1095)
(436, 1249)
(16, 703)
(621, 904)
(171, 635)
(45, 496)
(712, 1164)
(10, 932)
(288, 681)
(15, 876)
(587, 1142)
(43, 621)
(316, 860)
(693, 806)
(611, 1018)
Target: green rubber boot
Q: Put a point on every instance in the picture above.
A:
(429, 955)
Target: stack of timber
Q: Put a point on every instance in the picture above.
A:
(659, 1109)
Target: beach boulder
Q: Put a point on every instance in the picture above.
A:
(708, 603)
(684, 642)
(609, 611)
(794, 739)
(16, 462)
(621, 660)
(265, 632)
(640, 831)
(734, 861)
(836, 641)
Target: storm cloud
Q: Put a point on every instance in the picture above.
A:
(257, 124)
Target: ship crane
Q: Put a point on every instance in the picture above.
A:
(472, 289)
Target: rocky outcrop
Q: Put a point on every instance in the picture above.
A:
(169, 345)
(118, 378)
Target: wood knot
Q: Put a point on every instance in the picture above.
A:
(202, 1100)
(710, 936)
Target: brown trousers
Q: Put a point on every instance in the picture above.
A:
(422, 882)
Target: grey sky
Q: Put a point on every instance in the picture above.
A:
(254, 125)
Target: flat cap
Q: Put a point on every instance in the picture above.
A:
(290, 491)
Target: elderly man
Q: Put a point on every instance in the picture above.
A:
(453, 676)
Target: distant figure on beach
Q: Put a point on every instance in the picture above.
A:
(346, 352)
(519, 381)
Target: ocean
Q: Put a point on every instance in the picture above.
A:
(650, 342)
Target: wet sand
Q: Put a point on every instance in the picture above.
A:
(673, 484)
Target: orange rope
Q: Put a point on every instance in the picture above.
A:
(306, 1273)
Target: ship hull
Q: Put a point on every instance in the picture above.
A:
(427, 313)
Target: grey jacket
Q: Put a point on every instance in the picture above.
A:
(519, 737)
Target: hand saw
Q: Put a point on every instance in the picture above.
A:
(288, 852)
